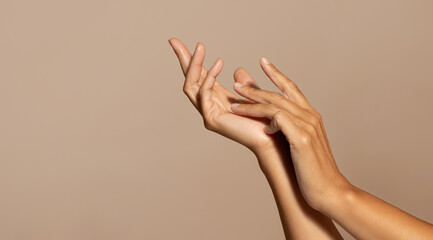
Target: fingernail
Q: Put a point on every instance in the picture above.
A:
(238, 84)
(234, 105)
(265, 60)
(195, 50)
(217, 61)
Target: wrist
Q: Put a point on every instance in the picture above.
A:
(272, 157)
(341, 196)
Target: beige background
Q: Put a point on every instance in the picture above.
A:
(98, 141)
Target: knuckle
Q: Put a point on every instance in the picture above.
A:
(316, 114)
(278, 116)
(314, 120)
(275, 109)
(185, 89)
(305, 138)
(310, 129)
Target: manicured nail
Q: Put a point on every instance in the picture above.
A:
(199, 45)
(218, 61)
(234, 105)
(265, 60)
(238, 84)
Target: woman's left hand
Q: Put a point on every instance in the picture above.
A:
(316, 171)
(213, 101)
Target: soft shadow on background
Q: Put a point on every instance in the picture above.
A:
(98, 141)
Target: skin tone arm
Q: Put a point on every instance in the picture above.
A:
(322, 185)
(213, 101)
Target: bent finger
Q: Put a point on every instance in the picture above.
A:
(287, 123)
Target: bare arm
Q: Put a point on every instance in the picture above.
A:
(299, 220)
(321, 183)
(213, 101)
(368, 217)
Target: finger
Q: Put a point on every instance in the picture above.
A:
(287, 123)
(242, 76)
(279, 120)
(287, 86)
(207, 85)
(184, 56)
(193, 74)
(255, 109)
(256, 94)
(182, 53)
(263, 96)
(291, 91)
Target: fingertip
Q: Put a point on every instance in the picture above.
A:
(264, 60)
(198, 56)
(239, 73)
(239, 69)
(242, 76)
(174, 42)
(267, 129)
(216, 67)
(220, 64)
(200, 46)
(217, 61)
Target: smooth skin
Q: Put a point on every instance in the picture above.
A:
(322, 184)
(213, 101)
(289, 140)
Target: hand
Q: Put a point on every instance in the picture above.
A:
(290, 112)
(213, 101)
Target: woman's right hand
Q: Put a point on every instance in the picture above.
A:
(316, 170)
(323, 186)
(213, 101)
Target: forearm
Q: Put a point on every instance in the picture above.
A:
(299, 220)
(368, 217)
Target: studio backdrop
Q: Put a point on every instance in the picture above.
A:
(98, 140)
